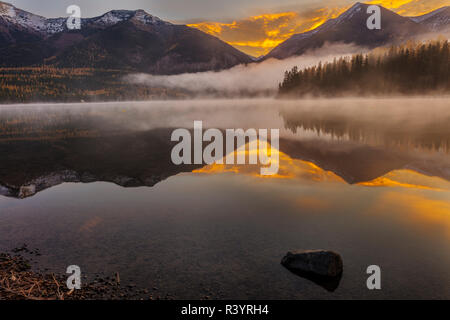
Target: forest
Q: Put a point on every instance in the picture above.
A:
(50, 84)
(412, 68)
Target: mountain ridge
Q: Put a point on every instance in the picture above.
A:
(135, 40)
(435, 20)
(350, 27)
(119, 39)
(50, 26)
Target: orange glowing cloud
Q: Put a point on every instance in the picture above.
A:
(411, 7)
(257, 35)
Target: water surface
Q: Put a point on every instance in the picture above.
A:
(368, 178)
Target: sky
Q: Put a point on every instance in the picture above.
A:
(252, 26)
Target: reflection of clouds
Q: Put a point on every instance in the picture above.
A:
(289, 168)
(408, 179)
(314, 203)
(420, 209)
(90, 224)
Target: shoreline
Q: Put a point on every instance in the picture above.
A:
(218, 99)
(19, 281)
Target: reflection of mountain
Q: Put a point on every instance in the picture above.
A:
(316, 160)
(366, 144)
(129, 160)
(359, 163)
(30, 165)
(408, 179)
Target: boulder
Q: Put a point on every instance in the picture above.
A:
(322, 263)
(27, 191)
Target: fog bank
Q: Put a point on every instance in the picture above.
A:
(254, 78)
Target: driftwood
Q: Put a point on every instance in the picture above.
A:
(19, 282)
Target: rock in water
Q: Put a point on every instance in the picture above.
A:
(318, 262)
(27, 191)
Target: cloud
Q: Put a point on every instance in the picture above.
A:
(257, 35)
(261, 77)
(411, 7)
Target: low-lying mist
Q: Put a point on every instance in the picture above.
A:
(257, 79)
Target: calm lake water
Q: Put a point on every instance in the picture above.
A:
(367, 178)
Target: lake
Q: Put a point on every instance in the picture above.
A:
(367, 178)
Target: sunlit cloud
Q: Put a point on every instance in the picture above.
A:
(411, 7)
(257, 35)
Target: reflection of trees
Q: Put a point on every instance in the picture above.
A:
(64, 122)
(435, 137)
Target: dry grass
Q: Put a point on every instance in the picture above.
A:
(19, 282)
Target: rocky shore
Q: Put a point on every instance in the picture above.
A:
(19, 281)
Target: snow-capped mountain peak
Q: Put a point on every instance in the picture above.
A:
(357, 7)
(7, 10)
(115, 16)
(27, 20)
(346, 16)
(47, 27)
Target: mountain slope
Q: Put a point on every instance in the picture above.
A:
(437, 20)
(119, 39)
(12, 28)
(164, 49)
(350, 27)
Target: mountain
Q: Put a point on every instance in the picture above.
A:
(119, 39)
(437, 20)
(350, 27)
(13, 19)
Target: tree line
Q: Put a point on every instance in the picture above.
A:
(412, 68)
(50, 84)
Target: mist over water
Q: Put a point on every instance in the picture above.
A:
(407, 117)
(259, 77)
